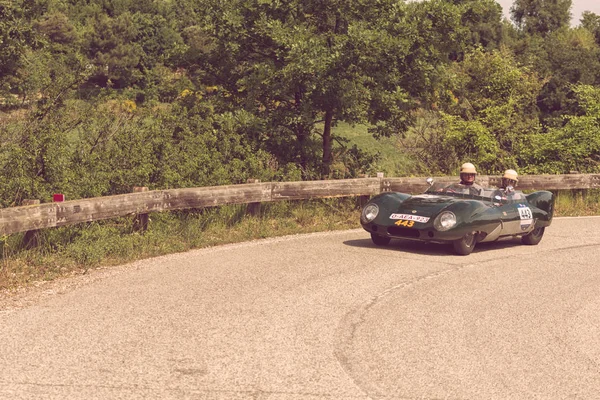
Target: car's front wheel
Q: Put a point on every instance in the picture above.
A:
(380, 240)
(465, 245)
(533, 237)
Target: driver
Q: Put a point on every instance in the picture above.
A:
(467, 178)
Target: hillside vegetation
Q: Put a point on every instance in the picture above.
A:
(100, 96)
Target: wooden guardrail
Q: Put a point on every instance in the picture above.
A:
(39, 216)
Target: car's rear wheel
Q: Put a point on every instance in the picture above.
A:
(533, 237)
(465, 245)
(380, 240)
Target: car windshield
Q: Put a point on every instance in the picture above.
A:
(459, 190)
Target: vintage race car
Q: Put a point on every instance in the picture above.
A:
(459, 215)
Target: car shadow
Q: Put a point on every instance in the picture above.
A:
(437, 249)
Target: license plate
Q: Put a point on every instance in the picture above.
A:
(410, 217)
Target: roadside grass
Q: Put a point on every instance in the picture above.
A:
(577, 203)
(74, 250)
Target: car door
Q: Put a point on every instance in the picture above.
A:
(516, 215)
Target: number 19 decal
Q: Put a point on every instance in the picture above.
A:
(406, 223)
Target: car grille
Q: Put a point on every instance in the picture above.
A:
(403, 232)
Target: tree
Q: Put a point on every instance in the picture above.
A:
(17, 36)
(57, 28)
(303, 66)
(541, 17)
(574, 58)
(575, 146)
(486, 107)
(34, 156)
(591, 22)
(564, 56)
(483, 20)
(127, 42)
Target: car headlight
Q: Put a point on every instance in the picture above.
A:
(369, 213)
(446, 220)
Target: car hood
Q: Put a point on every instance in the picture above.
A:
(426, 205)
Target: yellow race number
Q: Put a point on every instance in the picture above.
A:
(405, 223)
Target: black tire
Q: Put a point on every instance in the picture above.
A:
(465, 245)
(380, 240)
(533, 237)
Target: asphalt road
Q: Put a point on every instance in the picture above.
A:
(320, 316)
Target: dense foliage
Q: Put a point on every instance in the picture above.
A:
(100, 96)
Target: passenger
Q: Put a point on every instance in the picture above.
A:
(509, 180)
(507, 186)
(467, 178)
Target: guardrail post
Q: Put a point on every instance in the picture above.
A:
(363, 200)
(31, 238)
(383, 185)
(253, 208)
(578, 194)
(140, 222)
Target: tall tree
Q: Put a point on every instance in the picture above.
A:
(572, 147)
(591, 22)
(483, 20)
(17, 37)
(541, 17)
(303, 66)
(487, 105)
(572, 58)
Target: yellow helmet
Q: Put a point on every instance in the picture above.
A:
(468, 168)
(511, 174)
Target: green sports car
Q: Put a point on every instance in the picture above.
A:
(459, 215)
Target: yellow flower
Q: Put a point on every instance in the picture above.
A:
(185, 93)
(129, 106)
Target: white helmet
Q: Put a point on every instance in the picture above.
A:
(511, 174)
(468, 168)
